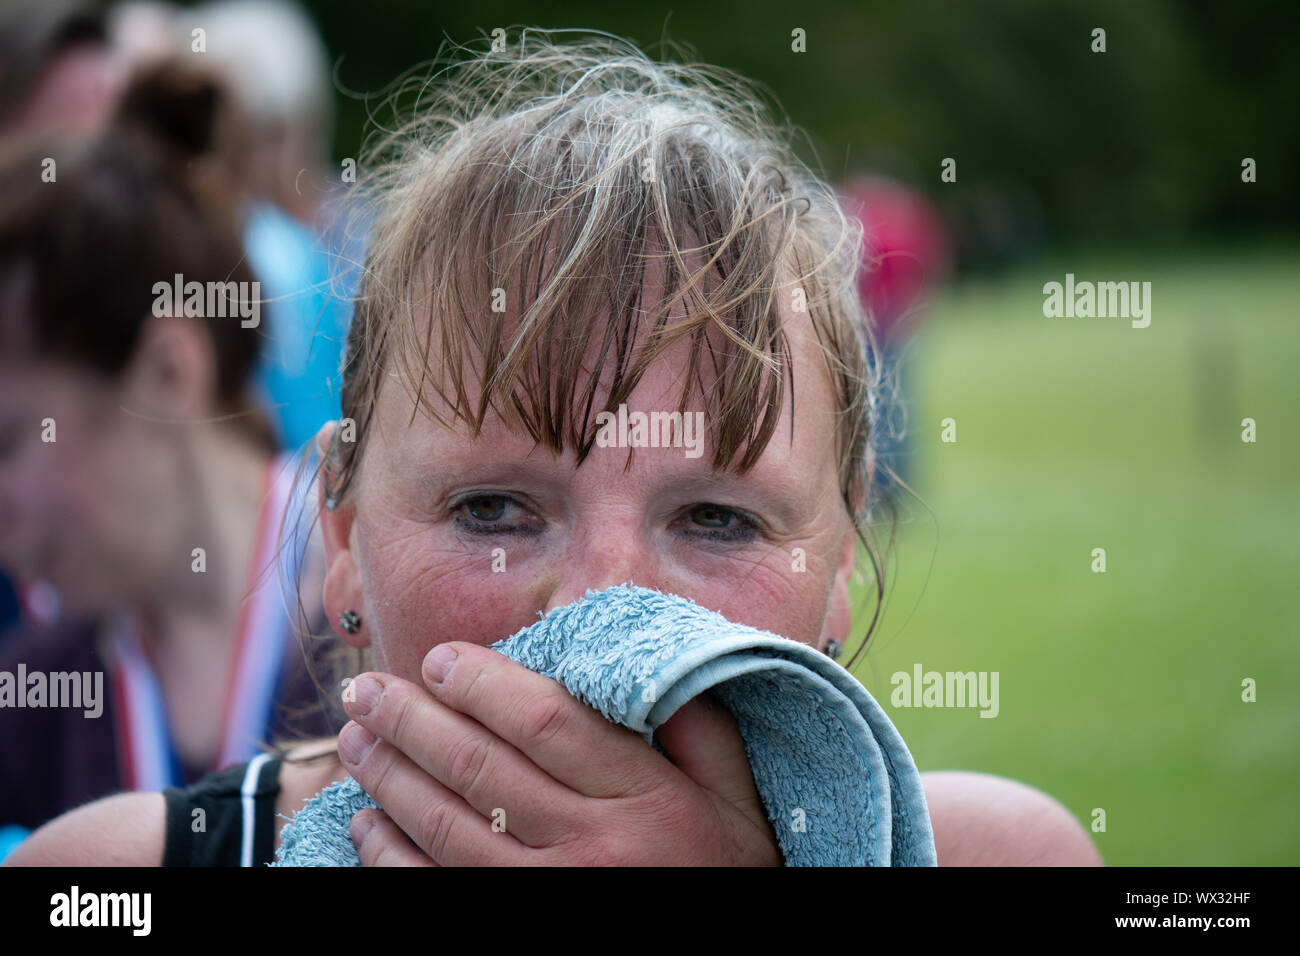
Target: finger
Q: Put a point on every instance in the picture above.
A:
(493, 777)
(381, 842)
(439, 823)
(560, 734)
(703, 740)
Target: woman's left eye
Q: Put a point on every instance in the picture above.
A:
(488, 507)
(717, 523)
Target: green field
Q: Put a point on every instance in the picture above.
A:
(1119, 690)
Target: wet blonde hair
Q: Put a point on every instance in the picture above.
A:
(557, 173)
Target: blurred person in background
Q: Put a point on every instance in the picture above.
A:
(56, 69)
(906, 252)
(56, 72)
(128, 442)
(277, 69)
(141, 32)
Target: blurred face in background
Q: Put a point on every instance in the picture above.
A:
(120, 416)
(76, 91)
(92, 496)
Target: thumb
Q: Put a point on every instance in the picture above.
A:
(703, 740)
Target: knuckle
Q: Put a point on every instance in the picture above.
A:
(398, 713)
(377, 768)
(371, 850)
(655, 786)
(467, 760)
(434, 827)
(669, 811)
(541, 718)
(664, 824)
(387, 855)
(468, 683)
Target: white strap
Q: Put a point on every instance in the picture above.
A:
(246, 791)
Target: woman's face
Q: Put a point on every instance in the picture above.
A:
(451, 539)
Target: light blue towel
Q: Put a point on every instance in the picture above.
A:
(836, 779)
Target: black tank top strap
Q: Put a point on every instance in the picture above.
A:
(226, 819)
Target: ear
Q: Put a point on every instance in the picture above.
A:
(172, 374)
(839, 617)
(342, 589)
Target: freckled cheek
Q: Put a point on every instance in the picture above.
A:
(421, 592)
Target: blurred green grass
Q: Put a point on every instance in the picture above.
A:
(1121, 690)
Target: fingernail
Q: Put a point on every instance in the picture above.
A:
(362, 824)
(363, 694)
(437, 664)
(355, 742)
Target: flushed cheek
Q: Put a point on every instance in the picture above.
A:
(792, 604)
(419, 594)
(779, 587)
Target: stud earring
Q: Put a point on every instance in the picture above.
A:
(350, 621)
(833, 649)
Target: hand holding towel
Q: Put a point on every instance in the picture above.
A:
(835, 778)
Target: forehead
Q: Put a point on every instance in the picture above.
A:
(801, 453)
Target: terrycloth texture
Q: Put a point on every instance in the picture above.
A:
(837, 781)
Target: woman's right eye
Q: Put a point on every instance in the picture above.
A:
(491, 514)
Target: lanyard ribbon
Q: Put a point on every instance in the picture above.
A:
(264, 634)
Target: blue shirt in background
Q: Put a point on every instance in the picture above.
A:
(308, 281)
